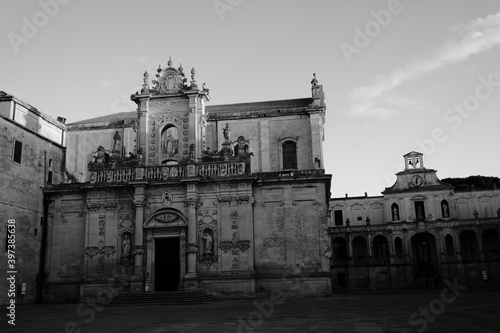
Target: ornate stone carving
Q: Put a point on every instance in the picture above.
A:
(191, 201)
(108, 250)
(225, 200)
(226, 245)
(138, 250)
(93, 206)
(191, 248)
(243, 245)
(140, 202)
(166, 218)
(92, 251)
(244, 199)
(109, 206)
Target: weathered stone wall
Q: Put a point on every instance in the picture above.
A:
(21, 198)
(290, 233)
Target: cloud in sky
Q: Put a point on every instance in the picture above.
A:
(379, 98)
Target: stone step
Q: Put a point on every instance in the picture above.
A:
(167, 297)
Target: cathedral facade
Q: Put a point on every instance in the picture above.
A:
(231, 199)
(419, 229)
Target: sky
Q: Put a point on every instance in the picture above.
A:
(398, 76)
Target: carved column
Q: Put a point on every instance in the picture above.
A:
(139, 202)
(192, 247)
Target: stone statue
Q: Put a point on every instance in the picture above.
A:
(226, 130)
(100, 155)
(395, 213)
(126, 246)
(445, 210)
(117, 139)
(208, 242)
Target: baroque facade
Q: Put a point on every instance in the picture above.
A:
(419, 228)
(179, 194)
(32, 149)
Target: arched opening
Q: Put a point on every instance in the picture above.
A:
(380, 247)
(469, 246)
(339, 249)
(359, 248)
(450, 249)
(398, 244)
(424, 251)
(445, 209)
(395, 212)
(491, 244)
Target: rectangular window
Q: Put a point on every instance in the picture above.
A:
(289, 155)
(18, 149)
(337, 215)
(360, 218)
(49, 178)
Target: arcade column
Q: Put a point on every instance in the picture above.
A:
(192, 247)
(139, 201)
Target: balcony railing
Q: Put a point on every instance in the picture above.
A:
(361, 262)
(172, 172)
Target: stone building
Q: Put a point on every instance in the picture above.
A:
(32, 150)
(180, 194)
(419, 228)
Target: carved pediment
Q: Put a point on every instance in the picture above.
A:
(166, 219)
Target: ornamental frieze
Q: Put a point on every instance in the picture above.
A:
(228, 245)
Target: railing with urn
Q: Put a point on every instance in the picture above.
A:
(211, 170)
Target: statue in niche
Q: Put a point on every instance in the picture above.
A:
(395, 213)
(445, 209)
(208, 242)
(117, 140)
(170, 144)
(126, 246)
(226, 131)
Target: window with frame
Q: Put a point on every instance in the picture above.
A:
(18, 150)
(289, 155)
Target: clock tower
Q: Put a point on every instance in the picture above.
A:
(415, 177)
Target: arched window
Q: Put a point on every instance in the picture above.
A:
(289, 155)
(380, 247)
(450, 250)
(395, 212)
(398, 244)
(445, 209)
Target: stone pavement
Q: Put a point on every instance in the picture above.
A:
(470, 310)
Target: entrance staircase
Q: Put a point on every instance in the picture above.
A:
(164, 297)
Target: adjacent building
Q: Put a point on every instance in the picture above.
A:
(32, 146)
(179, 194)
(417, 229)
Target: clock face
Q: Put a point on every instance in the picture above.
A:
(417, 180)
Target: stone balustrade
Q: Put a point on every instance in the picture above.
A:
(211, 170)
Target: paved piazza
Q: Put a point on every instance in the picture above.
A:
(473, 310)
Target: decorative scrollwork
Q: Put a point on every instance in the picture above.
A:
(108, 250)
(93, 206)
(243, 245)
(92, 251)
(191, 202)
(226, 245)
